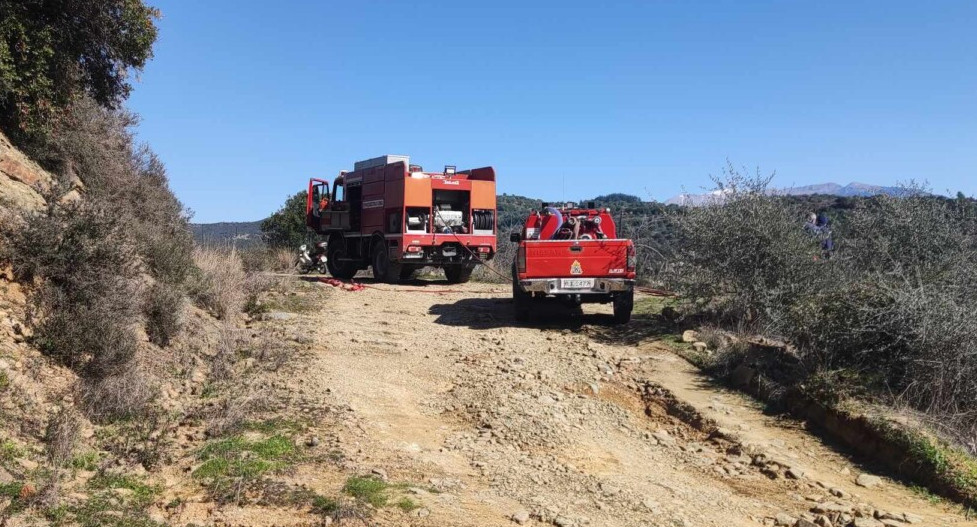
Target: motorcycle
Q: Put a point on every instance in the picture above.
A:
(312, 261)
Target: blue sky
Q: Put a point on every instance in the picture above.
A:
(246, 100)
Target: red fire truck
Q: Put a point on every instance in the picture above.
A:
(397, 218)
(572, 254)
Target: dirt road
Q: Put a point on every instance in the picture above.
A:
(567, 423)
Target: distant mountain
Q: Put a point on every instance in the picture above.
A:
(826, 189)
(238, 233)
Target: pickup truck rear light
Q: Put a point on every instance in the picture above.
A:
(484, 249)
(632, 258)
(414, 248)
(521, 260)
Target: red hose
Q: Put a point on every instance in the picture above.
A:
(356, 286)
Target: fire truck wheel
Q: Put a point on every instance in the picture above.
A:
(335, 252)
(458, 274)
(623, 305)
(383, 269)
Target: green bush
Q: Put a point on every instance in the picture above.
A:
(286, 227)
(48, 59)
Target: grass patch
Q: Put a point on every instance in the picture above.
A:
(10, 451)
(209, 390)
(14, 492)
(652, 305)
(236, 461)
(140, 493)
(950, 469)
(4, 380)
(104, 510)
(11, 490)
(367, 489)
(324, 505)
(377, 493)
(86, 461)
(118, 500)
(407, 505)
(926, 494)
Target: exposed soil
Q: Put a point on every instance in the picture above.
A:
(568, 422)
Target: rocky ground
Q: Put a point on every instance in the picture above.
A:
(425, 404)
(569, 422)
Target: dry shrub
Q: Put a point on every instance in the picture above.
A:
(128, 393)
(224, 356)
(256, 284)
(61, 436)
(146, 440)
(163, 308)
(714, 337)
(268, 259)
(98, 146)
(274, 355)
(235, 410)
(218, 284)
(896, 305)
(499, 269)
(745, 255)
(86, 309)
(60, 440)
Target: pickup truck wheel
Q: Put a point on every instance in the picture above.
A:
(623, 305)
(384, 270)
(521, 301)
(334, 253)
(458, 274)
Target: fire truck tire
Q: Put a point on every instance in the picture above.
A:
(458, 274)
(335, 251)
(384, 270)
(623, 305)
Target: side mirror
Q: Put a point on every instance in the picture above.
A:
(515, 237)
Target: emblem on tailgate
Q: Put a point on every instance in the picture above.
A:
(576, 268)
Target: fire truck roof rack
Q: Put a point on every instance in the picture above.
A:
(380, 161)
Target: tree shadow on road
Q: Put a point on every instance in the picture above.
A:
(370, 281)
(643, 327)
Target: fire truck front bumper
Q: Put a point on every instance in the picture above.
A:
(576, 286)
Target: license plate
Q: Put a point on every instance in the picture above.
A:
(576, 283)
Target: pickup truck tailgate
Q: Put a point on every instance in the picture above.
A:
(576, 258)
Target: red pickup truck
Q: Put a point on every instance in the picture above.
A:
(572, 254)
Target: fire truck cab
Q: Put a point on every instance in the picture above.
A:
(396, 218)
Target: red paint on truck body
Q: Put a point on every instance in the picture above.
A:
(574, 243)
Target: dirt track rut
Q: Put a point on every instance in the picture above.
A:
(487, 419)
